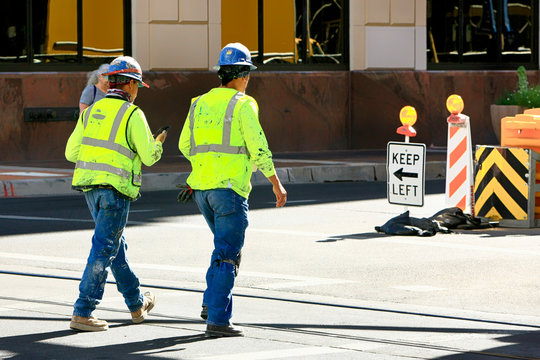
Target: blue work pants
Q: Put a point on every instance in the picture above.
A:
(226, 214)
(110, 213)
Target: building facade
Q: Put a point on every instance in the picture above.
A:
(342, 89)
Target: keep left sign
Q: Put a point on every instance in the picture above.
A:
(405, 170)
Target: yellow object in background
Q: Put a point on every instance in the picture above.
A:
(455, 104)
(407, 115)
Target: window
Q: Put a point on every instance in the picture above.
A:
(274, 31)
(41, 35)
(482, 34)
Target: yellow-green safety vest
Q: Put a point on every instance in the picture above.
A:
(225, 147)
(218, 148)
(105, 156)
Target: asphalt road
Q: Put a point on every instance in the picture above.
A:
(37, 214)
(316, 282)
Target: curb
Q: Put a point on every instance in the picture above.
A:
(168, 181)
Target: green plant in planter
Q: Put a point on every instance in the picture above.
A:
(525, 95)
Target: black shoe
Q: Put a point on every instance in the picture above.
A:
(224, 330)
(204, 312)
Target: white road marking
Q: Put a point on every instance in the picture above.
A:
(40, 218)
(398, 240)
(298, 279)
(5, 354)
(57, 259)
(289, 232)
(363, 345)
(277, 354)
(314, 282)
(418, 288)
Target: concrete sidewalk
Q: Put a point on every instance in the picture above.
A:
(53, 177)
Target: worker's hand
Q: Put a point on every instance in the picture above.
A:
(185, 194)
(279, 190)
(162, 136)
(281, 194)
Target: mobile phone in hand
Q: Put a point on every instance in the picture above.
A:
(162, 129)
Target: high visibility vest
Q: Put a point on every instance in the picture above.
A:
(225, 146)
(218, 151)
(105, 156)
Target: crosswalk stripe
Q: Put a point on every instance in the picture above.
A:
(277, 354)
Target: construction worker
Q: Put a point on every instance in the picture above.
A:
(109, 143)
(222, 138)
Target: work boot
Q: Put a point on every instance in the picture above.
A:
(204, 312)
(148, 304)
(88, 323)
(223, 330)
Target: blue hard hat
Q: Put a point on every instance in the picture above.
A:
(235, 54)
(128, 67)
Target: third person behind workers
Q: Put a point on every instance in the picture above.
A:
(223, 139)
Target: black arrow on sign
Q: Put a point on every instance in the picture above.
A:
(400, 174)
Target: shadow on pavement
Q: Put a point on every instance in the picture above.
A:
(519, 344)
(358, 236)
(36, 347)
(522, 345)
(515, 344)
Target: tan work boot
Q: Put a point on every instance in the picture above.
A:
(149, 302)
(88, 324)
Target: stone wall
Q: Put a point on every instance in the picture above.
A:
(300, 111)
(378, 96)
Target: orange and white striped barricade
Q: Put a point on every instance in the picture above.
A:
(459, 159)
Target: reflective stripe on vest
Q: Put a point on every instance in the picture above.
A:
(108, 168)
(109, 144)
(225, 146)
(87, 115)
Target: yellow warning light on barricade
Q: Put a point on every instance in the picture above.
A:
(407, 115)
(455, 104)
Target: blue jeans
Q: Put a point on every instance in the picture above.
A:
(110, 213)
(226, 214)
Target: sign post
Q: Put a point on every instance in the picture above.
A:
(405, 164)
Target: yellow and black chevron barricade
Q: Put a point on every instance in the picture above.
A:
(505, 185)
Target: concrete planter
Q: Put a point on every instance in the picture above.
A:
(500, 111)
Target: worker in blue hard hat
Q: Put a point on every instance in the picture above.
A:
(223, 139)
(110, 143)
(235, 54)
